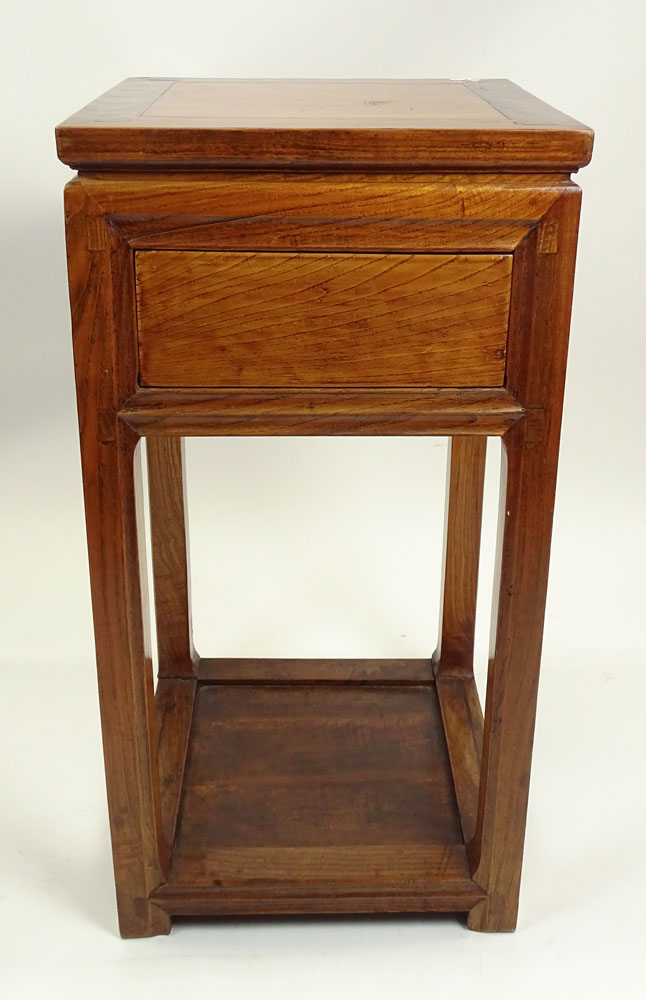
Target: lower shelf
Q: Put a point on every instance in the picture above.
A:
(309, 798)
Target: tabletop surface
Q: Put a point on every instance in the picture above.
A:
(152, 122)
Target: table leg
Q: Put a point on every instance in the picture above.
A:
(465, 484)
(525, 523)
(167, 493)
(112, 485)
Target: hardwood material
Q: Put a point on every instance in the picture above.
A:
(344, 411)
(465, 486)
(313, 766)
(169, 542)
(401, 124)
(323, 870)
(528, 483)
(110, 458)
(439, 895)
(266, 319)
(174, 700)
(308, 793)
(333, 235)
(302, 100)
(463, 727)
(303, 786)
(166, 205)
(251, 671)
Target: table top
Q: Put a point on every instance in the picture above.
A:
(311, 124)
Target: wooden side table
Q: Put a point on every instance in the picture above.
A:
(301, 257)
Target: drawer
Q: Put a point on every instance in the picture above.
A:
(210, 318)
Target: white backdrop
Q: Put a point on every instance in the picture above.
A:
(325, 547)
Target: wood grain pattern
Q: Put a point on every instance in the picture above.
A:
(318, 786)
(140, 204)
(264, 319)
(368, 124)
(174, 700)
(528, 482)
(378, 869)
(317, 411)
(416, 895)
(463, 727)
(170, 561)
(461, 558)
(303, 795)
(294, 671)
(326, 102)
(518, 105)
(101, 310)
(307, 766)
(332, 235)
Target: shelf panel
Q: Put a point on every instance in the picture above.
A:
(317, 798)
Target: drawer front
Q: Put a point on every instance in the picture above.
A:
(209, 318)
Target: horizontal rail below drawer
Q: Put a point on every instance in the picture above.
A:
(197, 412)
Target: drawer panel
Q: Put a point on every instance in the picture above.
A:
(208, 318)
